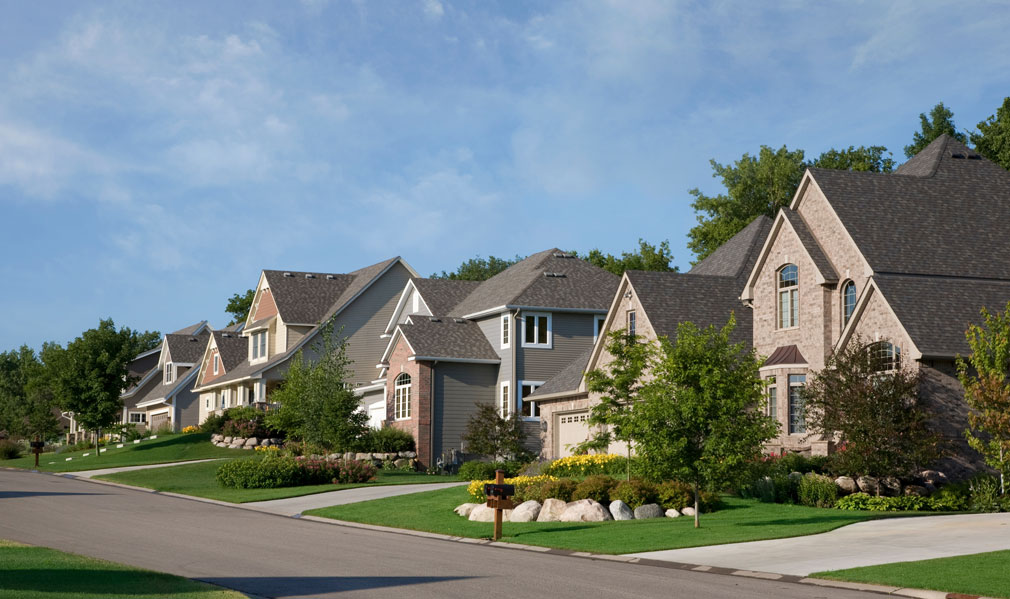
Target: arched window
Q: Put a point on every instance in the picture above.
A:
(848, 301)
(401, 394)
(886, 356)
(789, 296)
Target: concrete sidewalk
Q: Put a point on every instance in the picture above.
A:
(101, 471)
(862, 544)
(296, 505)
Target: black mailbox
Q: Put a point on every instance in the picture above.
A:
(38, 444)
(494, 490)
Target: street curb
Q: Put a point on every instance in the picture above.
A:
(788, 578)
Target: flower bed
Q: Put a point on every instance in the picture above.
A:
(585, 465)
(476, 488)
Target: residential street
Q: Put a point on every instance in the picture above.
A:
(275, 556)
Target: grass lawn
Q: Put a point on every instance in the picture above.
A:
(739, 520)
(198, 480)
(39, 573)
(978, 574)
(164, 449)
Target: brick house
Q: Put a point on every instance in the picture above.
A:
(451, 344)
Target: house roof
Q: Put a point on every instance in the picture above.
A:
(441, 295)
(186, 349)
(304, 297)
(941, 213)
(234, 328)
(233, 348)
(736, 257)
(548, 279)
(568, 379)
(786, 354)
(163, 391)
(811, 246)
(192, 329)
(447, 338)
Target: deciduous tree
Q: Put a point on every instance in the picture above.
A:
(648, 257)
(27, 405)
(478, 269)
(491, 434)
(939, 121)
(993, 137)
(239, 306)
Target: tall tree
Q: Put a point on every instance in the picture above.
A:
(869, 401)
(27, 405)
(648, 257)
(478, 269)
(993, 137)
(984, 377)
(491, 434)
(939, 121)
(700, 418)
(90, 374)
(239, 306)
(875, 159)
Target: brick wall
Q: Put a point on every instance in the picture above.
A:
(419, 423)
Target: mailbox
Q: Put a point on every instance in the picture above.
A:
(38, 445)
(499, 491)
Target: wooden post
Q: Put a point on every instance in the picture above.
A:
(499, 479)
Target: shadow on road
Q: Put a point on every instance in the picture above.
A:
(19, 494)
(316, 585)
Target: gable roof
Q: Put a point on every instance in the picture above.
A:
(810, 244)
(233, 349)
(670, 298)
(548, 279)
(736, 257)
(441, 295)
(447, 339)
(192, 329)
(186, 349)
(568, 379)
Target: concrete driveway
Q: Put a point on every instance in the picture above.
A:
(862, 544)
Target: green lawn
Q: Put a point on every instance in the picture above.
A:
(40, 573)
(164, 449)
(198, 480)
(739, 520)
(978, 574)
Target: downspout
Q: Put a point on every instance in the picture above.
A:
(431, 415)
(514, 389)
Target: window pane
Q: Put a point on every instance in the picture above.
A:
(631, 323)
(848, 301)
(797, 419)
(505, 330)
(788, 276)
(531, 325)
(542, 330)
(794, 299)
(783, 308)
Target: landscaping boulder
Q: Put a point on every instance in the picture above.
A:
(672, 513)
(482, 513)
(916, 490)
(402, 463)
(934, 477)
(227, 440)
(363, 457)
(867, 484)
(349, 455)
(846, 485)
(252, 442)
(266, 443)
(796, 476)
(526, 511)
(585, 510)
(465, 509)
(620, 510)
(216, 437)
(276, 441)
(408, 454)
(649, 510)
(889, 486)
(236, 446)
(551, 510)
(334, 456)
(688, 511)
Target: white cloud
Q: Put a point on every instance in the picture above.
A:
(433, 9)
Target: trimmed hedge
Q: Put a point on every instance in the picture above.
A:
(596, 487)
(635, 492)
(285, 471)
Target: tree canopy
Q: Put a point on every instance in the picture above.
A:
(239, 306)
(939, 121)
(27, 405)
(648, 257)
(478, 269)
(993, 137)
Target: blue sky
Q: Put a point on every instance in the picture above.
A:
(155, 156)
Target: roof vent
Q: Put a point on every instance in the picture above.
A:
(287, 274)
(309, 275)
(563, 255)
(974, 157)
(957, 155)
(193, 339)
(554, 275)
(433, 319)
(228, 335)
(330, 277)
(460, 320)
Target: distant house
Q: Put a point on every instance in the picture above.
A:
(452, 344)
(166, 400)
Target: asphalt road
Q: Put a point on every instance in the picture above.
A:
(276, 556)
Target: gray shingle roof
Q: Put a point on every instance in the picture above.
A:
(191, 329)
(442, 295)
(187, 349)
(303, 299)
(810, 244)
(447, 338)
(582, 286)
(233, 349)
(568, 379)
(736, 257)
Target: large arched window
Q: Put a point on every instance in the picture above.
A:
(848, 301)
(789, 296)
(885, 355)
(401, 394)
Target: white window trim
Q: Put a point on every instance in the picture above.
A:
(396, 389)
(794, 299)
(505, 391)
(169, 375)
(506, 321)
(143, 417)
(519, 399)
(789, 416)
(628, 316)
(217, 363)
(255, 345)
(550, 330)
(599, 320)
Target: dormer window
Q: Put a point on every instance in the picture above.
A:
(789, 296)
(506, 330)
(598, 321)
(259, 345)
(169, 373)
(536, 330)
(848, 301)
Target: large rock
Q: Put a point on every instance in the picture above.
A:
(252, 442)
(649, 510)
(846, 485)
(585, 510)
(933, 477)
(916, 490)
(227, 440)
(363, 457)
(551, 510)
(349, 455)
(236, 446)
(526, 511)
(867, 484)
(216, 437)
(408, 454)
(402, 463)
(672, 513)
(688, 511)
(890, 486)
(266, 443)
(482, 513)
(276, 441)
(465, 509)
(620, 511)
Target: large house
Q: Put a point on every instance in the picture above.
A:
(287, 315)
(454, 344)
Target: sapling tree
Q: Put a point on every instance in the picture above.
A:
(490, 433)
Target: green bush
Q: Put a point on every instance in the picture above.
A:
(271, 472)
(677, 495)
(387, 439)
(596, 487)
(214, 423)
(562, 489)
(475, 470)
(985, 496)
(635, 492)
(905, 503)
(817, 490)
(9, 450)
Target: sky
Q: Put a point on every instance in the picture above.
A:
(155, 156)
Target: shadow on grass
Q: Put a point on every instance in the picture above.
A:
(818, 519)
(193, 439)
(318, 585)
(96, 582)
(562, 528)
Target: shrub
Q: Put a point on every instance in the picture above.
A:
(677, 495)
(985, 496)
(9, 450)
(214, 423)
(634, 492)
(522, 485)
(275, 471)
(488, 433)
(906, 503)
(190, 429)
(816, 490)
(477, 470)
(562, 489)
(387, 439)
(596, 487)
(585, 465)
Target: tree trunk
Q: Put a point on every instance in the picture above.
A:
(1002, 484)
(697, 522)
(629, 460)
(98, 442)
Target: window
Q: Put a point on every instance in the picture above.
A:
(259, 345)
(221, 403)
(789, 290)
(598, 323)
(506, 330)
(886, 356)
(505, 400)
(169, 373)
(773, 399)
(797, 419)
(401, 395)
(529, 409)
(138, 417)
(848, 301)
(537, 330)
(631, 323)
(217, 363)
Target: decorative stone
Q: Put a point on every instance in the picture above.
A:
(252, 442)
(227, 440)
(649, 510)
(334, 456)
(266, 443)
(349, 455)
(408, 454)
(235, 446)
(465, 509)
(672, 513)
(249, 447)
(867, 484)
(551, 510)
(526, 511)
(585, 510)
(889, 486)
(363, 457)
(402, 463)
(620, 510)
(846, 485)
(482, 513)
(216, 437)
(916, 490)
(795, 476)
(688, 511)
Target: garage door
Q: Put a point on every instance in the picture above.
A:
(572, 430)
(158, 421)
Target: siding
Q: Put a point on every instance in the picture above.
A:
(491, 327)
(188, 408)
(572, 334)
(457, 388)
(296, 334)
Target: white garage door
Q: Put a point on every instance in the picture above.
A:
(572, 430)
(377, 414)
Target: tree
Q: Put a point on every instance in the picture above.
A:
(316, 403)
(869, 402)
(239, 306)
(618, 384)
(868, 159)
(491, 434)
(993, 137)
(648, 257)
(27, 405)
(986, 390)
(90, 374)
(700, 418)
(478, 269)
(939, 121)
